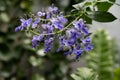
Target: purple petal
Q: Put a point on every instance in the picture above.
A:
(53, 9)
(78, 52)
(37, 20)
(85, 30)
(62, 19)
(89, 47)
(19, 28)
(34, 25)
(48, 15)
(79, 24)
(40, 14)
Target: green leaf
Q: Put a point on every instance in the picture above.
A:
(104, 5)
(101, 16)
(112, 0)
(80, 5)
(87, 19)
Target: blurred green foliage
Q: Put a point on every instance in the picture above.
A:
(103, 57)
(13, 54)
(17, 60)
(84, 74)
(117, 74)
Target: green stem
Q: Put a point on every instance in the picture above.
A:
(68, 25)
(34, 32)
(58, 31)
(69, 15)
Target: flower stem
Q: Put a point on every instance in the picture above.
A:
(67, 25)
(58, 31)
(34, 32)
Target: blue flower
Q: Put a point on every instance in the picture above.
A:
(35, 41)
(62, 19)
(41, 37)
(62, 43)
(71, 41)
(78, 52)
(37, 20)
(79, 24)
(26, 23)
(48, 27)
(40, 14)
(48, 15)
(73, 33)
(19, 28)
(48, 44)
(44, 26)
(85, 30)
(86, 40)
(35, 23)
(88, 47)
(57, 24)
(61, 40)
(53, 9)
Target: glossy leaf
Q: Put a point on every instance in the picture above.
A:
(101, 16)
(87, 19)
(104, 5)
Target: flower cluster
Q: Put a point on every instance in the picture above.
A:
(76, 39)
(45, 25)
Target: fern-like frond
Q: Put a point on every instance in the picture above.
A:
(102, 58)
(84, 74)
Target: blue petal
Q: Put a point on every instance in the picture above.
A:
(37, 20)
(62, 19)
(85, 31)
(40, 14)
(19, 28)
(34, 25)
(48, 15)
(78, 52)
(89, 47)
